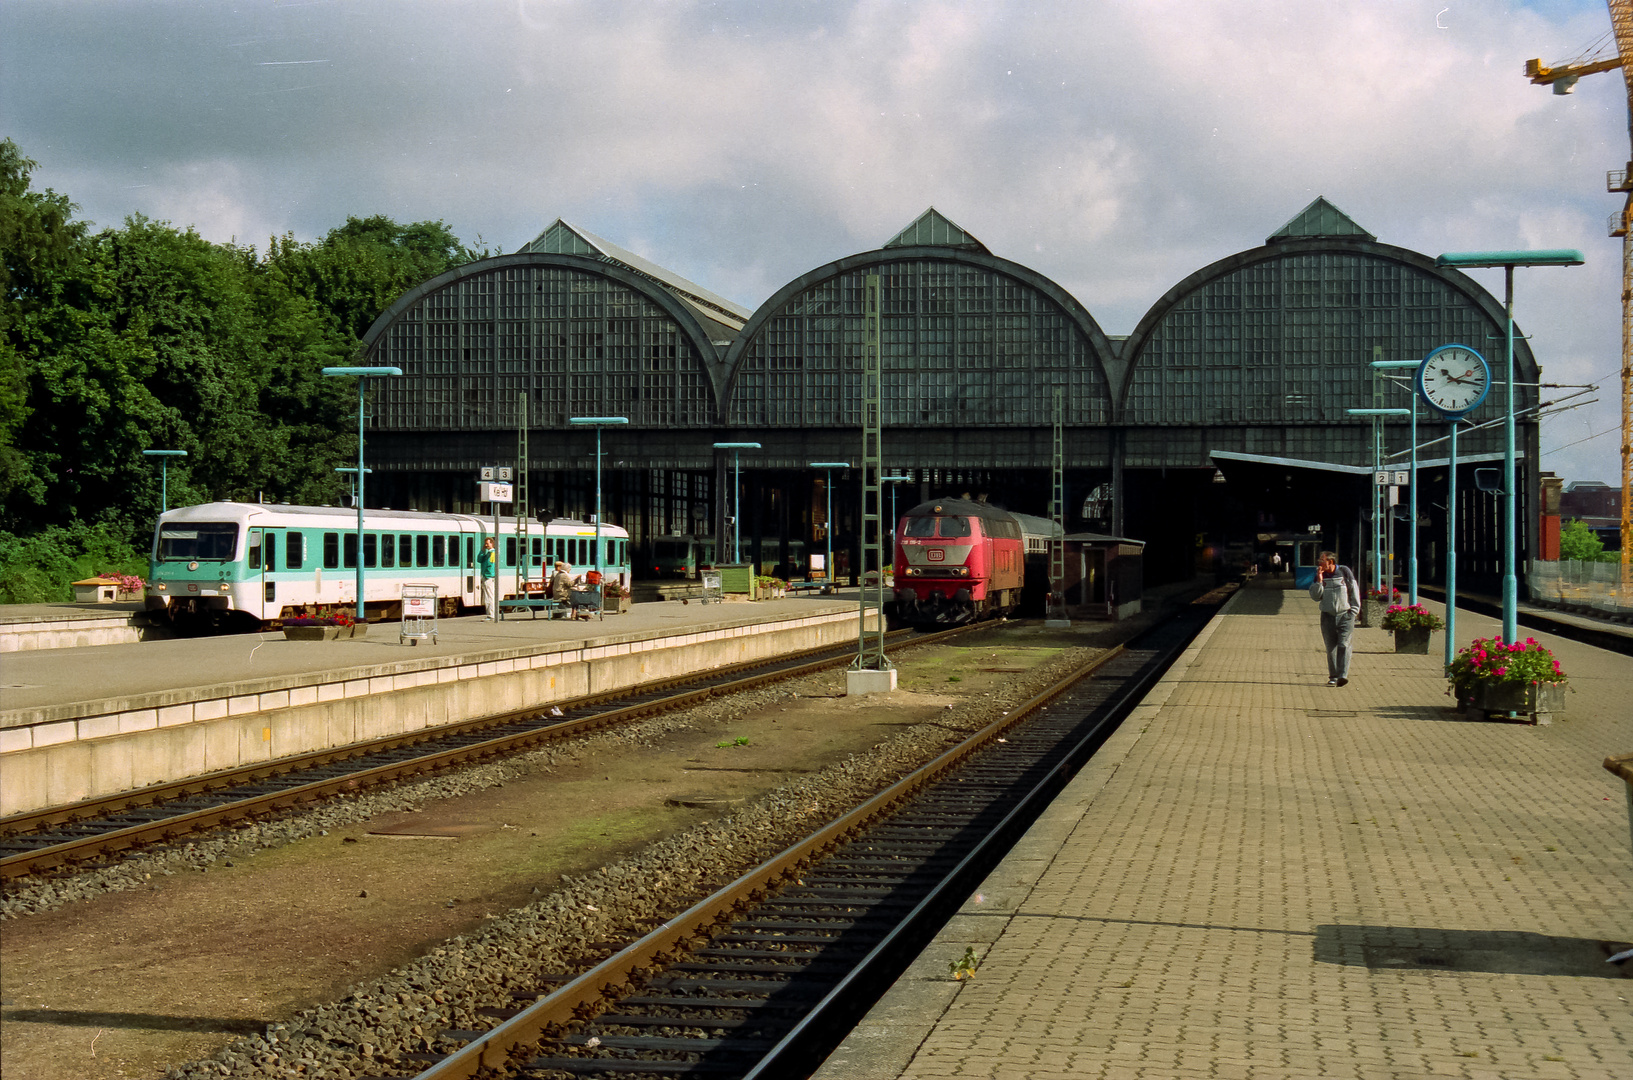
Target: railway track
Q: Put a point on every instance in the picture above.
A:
(44, 840)
(763, 977)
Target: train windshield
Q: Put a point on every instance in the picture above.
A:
(198, 542)
(926, 526)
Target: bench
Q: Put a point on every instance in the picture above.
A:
(533, 605)
(797, 587)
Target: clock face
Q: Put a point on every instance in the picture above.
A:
(1454, 379)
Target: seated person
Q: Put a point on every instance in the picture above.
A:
(561, 584)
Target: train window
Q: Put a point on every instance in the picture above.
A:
(422, 551)
(201, 542)
(294, 550)
(439, 550)
(921, 526)
(388, 550)
(272, 551)
(955, 526)
(253, 555)
(453, 551)
(405, 549)
(331, 551)
(538, 551)
(510, 551)
(348, 544)
(370, 550)
(470, 552)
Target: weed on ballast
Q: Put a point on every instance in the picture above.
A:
(965, 966)
(741, 740)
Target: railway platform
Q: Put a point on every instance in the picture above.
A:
(78, 723)
(1263, 876)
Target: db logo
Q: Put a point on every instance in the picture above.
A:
(935, 555)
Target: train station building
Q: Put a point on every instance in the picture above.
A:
(1217, 426)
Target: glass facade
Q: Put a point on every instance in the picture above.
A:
(572, 343)
(1288, 341)
(961, 345)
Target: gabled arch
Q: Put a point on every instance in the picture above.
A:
(821, 294)
(494, 315)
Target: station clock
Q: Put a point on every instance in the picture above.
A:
(1453, 380)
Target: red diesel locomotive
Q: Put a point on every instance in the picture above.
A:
(958, 561)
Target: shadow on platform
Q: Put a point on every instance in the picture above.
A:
(1499, 952)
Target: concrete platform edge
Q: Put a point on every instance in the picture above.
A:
(886, 1040)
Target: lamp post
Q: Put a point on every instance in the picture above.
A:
(164, 457)
(736, 492)
(1412, 496)
(828, 527)
(893, 481)
(362, 374)
(598, 422)
(1508, 260)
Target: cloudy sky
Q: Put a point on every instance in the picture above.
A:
(1114, 145)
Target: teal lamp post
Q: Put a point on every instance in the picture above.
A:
(598, 422)
(828, 528)
(736, 492)
(164, 457)
(1412, 496)
(1508, 260)
(363, 375)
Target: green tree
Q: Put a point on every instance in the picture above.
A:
(1579, 543)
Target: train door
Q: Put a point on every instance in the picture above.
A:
(260, 589)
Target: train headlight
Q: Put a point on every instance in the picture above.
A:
(223, 587)
(912, 571)
(162, 586)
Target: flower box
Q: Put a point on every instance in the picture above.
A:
(1413, 640)
(325, 633)
(1534, 700)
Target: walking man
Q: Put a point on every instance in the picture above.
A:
(1275, 564)
(490, 573)
(1339, 595)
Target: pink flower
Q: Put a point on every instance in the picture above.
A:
(1500, 671)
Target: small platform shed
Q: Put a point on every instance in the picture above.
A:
(1105, 576)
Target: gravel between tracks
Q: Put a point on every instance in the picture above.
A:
(404, 1011)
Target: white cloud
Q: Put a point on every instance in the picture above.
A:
(1115, 146)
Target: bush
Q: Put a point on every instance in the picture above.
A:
(42, 568)
(1402, 617)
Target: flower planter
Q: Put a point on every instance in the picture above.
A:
(1413, 640)
(1371, 614)
(325, 633)
(1535, 701)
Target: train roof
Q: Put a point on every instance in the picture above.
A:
(959, 508)
(216, 511)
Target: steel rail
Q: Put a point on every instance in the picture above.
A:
(737, 678)
(589, 993)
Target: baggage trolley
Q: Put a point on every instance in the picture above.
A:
(419, 614)
(712, 592)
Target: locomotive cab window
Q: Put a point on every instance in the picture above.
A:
(921, 526)
(955, 526)
(202, 542)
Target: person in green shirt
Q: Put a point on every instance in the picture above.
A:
(489, 563)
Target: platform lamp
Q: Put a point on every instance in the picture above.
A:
(1508, 260)
(363, 375)
(894, 480)
(164, 457)
(736, 493)
(598, 422)
(352, 469)
(1412, 491)
(828, 527)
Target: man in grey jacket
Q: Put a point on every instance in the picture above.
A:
(1339, 595)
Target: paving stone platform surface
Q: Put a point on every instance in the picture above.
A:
(1263, 876)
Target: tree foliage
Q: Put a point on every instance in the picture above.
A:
(1579, 543)
(148, 336)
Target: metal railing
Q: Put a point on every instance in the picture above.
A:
(1589, 587)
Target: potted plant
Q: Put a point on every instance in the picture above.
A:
(1373, 603)
(338, 624)
(615, 599)
(1518, 678)
(1411, 627)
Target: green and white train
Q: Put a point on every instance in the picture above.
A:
(227, 565)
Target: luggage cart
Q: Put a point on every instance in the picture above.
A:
(419, 614)
(712, 593)
(587, 600)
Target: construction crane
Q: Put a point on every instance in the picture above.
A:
(1562, 78)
